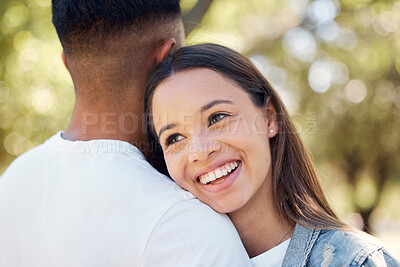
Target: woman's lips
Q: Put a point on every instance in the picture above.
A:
(224, 182)
(219, 173)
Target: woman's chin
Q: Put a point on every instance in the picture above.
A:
(222, 208)
(218, 207)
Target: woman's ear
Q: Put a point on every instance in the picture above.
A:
(272, 118)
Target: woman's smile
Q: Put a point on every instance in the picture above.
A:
(220, 179)
(219, 174)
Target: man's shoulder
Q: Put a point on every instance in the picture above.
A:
(190, 231)
(23, 161)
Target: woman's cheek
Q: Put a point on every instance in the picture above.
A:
(176, 168)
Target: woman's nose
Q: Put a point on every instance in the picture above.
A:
(201, 148)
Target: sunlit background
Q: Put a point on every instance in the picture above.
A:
(335, 63)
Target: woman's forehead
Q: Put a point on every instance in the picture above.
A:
(195, 86)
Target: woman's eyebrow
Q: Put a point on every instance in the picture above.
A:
(215, 102)
(167, 127)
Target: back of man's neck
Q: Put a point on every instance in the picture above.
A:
(119, 125)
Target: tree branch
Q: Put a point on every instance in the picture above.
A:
(194, 16)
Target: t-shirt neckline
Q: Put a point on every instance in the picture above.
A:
(94, 146)
(273, 257)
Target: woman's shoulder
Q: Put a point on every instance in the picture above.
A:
(349, 248)
(318, 247)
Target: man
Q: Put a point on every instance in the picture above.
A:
(87, 197)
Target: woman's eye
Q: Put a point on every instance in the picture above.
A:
(173, 139)
(215, 118)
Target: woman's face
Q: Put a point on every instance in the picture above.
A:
(215, 140)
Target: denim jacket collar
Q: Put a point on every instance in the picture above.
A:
(300, 246)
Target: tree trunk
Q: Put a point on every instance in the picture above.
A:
(366, 214)
(382, 176)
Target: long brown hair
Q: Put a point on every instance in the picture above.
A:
(297, 193)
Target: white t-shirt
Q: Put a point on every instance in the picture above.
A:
(273, 257)
(100, 203)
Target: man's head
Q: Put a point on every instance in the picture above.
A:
(110, 45)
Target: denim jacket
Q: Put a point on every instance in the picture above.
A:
(316, 247)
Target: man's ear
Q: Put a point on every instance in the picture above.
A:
(163, 50)
(64, 60)
(158, 53)
(272, 118)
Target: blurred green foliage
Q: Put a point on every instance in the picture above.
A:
(36, 93)
(335, 63)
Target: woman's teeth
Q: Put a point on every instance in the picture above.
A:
(219, 172)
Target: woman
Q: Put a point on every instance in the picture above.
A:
(224, 134)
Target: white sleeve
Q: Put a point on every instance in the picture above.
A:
(192, 234)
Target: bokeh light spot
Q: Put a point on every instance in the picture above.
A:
(340, 72)
(16, 144)
(384, 96)
(22, 40)
(319, 76)
(42, 100)
(301, 44)
(328, 31)
(386, 23)
(355, 91)
(14, 17)
(322, 11)
(346, 39)
(27, 59)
